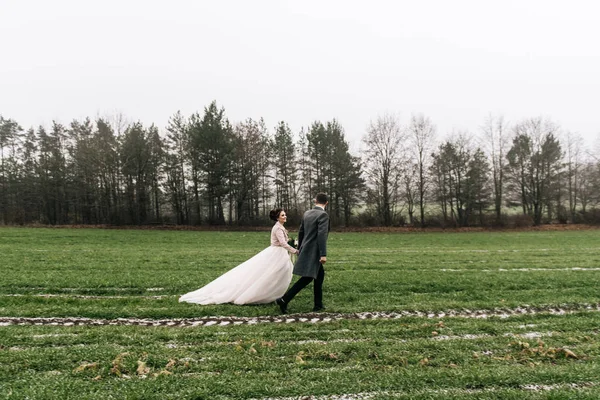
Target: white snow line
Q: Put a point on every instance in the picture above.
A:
(83, 296)
(452, 391)
(518, 269)
(172, 345)
(96, 289)
(529, 335)
(307, 318)
(53, 335)
(325, 342)
(461, 337)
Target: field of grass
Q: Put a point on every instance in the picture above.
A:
(506, 315)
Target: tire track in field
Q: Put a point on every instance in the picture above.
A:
(533, 387)
(85, 296)
(94, 289)
(171, 345)
(518, 269)
(302, 318)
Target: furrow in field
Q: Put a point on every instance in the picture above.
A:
(444, 338)
(303, 318)
(533, 387)
(83, 296)
(518, 269)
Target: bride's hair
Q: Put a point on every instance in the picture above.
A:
(274, 214)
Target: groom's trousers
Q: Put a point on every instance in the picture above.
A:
(303, 282)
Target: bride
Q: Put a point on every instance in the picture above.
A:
(261, 279)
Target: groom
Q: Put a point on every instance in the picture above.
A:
(312, 243)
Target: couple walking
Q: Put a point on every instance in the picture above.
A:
(265, 277)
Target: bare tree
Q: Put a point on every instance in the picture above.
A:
(251, 144)
(284, 155)
(383, 158)
(422, 139)
(177, 149)
(410, 188)
(117, 121)
(496, 142)
(573, 160)
(588, 193)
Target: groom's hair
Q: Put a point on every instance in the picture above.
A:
(321, 198)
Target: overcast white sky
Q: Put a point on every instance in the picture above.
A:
(300, 61)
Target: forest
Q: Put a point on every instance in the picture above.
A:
(204, 170)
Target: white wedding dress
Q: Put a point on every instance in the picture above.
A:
(261, 279)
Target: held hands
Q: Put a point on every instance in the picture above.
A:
(323, 260)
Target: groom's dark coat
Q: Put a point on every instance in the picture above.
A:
(312, 242)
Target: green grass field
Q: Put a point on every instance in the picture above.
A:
(503, 315)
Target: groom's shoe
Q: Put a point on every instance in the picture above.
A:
(319, 308)
(282, 305)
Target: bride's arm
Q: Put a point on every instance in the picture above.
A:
(283, 242)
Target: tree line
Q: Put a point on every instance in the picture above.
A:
(203, 170)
